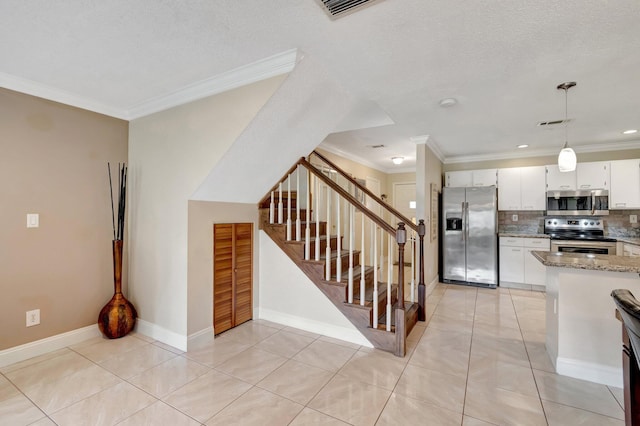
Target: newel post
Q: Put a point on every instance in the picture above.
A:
(422, 314)
(401, 239)
(401, 329)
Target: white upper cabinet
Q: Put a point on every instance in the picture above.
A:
(509, 191)
(534, 196)
(461, 178)
(521, 188)
(560, 181)
(465, 178)
(486, 177)
(625, 184)
(594, 175)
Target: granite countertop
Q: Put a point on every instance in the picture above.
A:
(594, 262)
(523, 235)
(629, 240)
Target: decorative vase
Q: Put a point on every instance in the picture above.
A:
(118, 317)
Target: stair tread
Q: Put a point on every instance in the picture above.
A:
(368, 293)
(382, 320)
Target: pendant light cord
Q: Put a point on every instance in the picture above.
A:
(566, 116)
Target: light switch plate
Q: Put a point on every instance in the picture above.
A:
(33, 220)
(514, 217)
(633, 218)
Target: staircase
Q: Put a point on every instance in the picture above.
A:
(311, 216)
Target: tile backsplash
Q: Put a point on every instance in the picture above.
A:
(529, 222)
(616, 224)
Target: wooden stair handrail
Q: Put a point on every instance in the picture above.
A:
(344, 194)
(282, 179)
(364, 189)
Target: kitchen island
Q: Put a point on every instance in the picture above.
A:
(583, 336)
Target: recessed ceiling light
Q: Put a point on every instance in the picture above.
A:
(397, 160)
(524, 145)
(448, 102)
(630, 131)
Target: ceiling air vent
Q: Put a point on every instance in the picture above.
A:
(376, 146)
(552, 123)
(338, 7)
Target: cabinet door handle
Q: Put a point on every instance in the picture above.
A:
(564, 186)
(515, 249)
(621, 204)
(585, 186)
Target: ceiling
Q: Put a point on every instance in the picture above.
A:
(501, 60)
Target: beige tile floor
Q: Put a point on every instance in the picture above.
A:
(478, 360)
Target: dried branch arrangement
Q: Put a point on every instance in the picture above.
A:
(118, 232)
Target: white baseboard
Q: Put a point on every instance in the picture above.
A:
(597, 373)
(312, 326)
(200, 336)
(161, 334)
(432, 285)
(49, 344)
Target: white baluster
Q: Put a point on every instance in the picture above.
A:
(382, 262)
(289, 208)
(272, 210)
(389, 277)
(376, 314)
(362, 260)
(307, 230)
(316, 194)
(280, 210)
(298, 230)
(351, 237)
(328, 242)
(338, 244)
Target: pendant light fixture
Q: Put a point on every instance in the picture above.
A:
(567, 157)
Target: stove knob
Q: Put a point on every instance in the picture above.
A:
(548, 222)
(555, 223)
(597, 223)
(591, 223)
(585, 223)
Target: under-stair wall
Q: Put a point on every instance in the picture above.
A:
(288, 296)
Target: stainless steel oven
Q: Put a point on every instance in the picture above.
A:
(575, 246)
(578, 235)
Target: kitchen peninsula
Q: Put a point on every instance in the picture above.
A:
(583, 337)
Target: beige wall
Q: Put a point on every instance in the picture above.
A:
(202, 216)
(357, 170)
(53, 162)
(428, 172)
(171, 153)
(542, 161)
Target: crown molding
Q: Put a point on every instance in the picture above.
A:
(43, 91)
(603, 147)
(351, 157)
(435, 148)
(272, 66)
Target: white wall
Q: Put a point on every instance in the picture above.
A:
(288, 296)
(170, 154)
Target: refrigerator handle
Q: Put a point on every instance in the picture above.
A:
(466, 219)
(464, 222)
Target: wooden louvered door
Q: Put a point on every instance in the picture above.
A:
(232, 275)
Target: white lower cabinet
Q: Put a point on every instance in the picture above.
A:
(518, 267)
(631, 250)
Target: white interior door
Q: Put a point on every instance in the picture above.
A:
(404, 199)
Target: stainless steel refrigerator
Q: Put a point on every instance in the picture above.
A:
(470, 241)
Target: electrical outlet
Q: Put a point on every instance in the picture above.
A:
(633, 218)
(514, 217)
(33, 317)
(33, 220)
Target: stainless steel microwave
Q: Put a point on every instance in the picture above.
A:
(578, 203)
